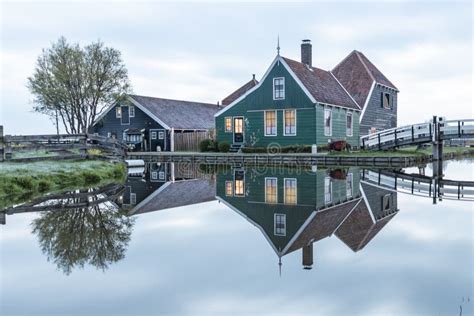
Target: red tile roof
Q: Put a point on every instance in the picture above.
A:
(321, 84)
(356, 73)
(239, 92)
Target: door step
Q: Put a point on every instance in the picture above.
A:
(234, 148)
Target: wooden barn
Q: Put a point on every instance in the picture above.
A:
(156, 124)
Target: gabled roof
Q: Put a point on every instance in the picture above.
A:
(357, 74)
(321, 84)
(240, 91)
(175, 194)
(178, 114)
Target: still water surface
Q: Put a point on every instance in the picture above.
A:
(178, 241)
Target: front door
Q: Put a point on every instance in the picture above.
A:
(238, 129)
(157, 139)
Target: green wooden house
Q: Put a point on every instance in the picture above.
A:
(293, 104)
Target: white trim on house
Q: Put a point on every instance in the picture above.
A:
(130, 108)
(284, 88)
(284, 123)
(367, 101)
(138, 105)
(265, 123)
(348, 113)
(330, 121)
(345, 90)
(298, 81)
(284, 191)
(387, 87)
(276, 190)
(368, 204)
(243, 96)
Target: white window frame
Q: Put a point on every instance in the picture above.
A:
(133, 198)
(154, 175)
(118, 112)
(161, 135)
(153, 135)
(131, 111)
(326, 133)
(161, 175)
(283, 216)
(350, 132)
(284, 190)
(276, 189)
(231, 124)
(274, 91)
(231, 183)
(284, 123)
(327, 193)
(389, 100)
(265, 123)
(350, 180)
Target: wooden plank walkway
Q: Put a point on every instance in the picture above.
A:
(276, 159)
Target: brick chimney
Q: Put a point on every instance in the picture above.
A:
(306, 52)
(308, 257)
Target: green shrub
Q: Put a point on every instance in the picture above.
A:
(25, 182)
(205, 144)
(44, 185)
(90, 177)
(224, 147)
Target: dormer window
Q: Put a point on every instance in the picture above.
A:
(278, 88)
(386, 100)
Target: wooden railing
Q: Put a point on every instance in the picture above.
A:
(418, 134)
(59, 147)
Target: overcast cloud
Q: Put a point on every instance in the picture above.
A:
(204, 51)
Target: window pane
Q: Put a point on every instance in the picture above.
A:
(327, 190)
(290, 122)
(270, 123)
(290, 191)
(228, 188)
(280, 224)
(349, 185)
(228, 124)
(271, 190)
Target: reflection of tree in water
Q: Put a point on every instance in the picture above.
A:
(97, 235)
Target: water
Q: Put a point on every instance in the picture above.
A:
(146, 248)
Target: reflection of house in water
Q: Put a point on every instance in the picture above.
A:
(161, 186)
(294, 209)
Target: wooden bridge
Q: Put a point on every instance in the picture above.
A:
(434, 187)
(436, 131)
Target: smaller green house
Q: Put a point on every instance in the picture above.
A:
(293, 104)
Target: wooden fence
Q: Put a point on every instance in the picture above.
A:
(59, 147)
(189, 141)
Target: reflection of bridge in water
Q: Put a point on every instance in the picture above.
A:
(434, 187)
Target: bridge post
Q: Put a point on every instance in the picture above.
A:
(437, 143)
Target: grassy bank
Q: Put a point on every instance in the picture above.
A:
(22, 181)
(404, 152)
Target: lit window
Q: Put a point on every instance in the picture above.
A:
(290, 191)
(386, 100)
(133, 198)
(131, 111)
(271, 188)
(270, 123)
(161, 135)
(290, 122)
(228, 125)
(349, 124)
(327, 122)
(228, 188)
(327, 190)
(349, 184)
(153, 135)
(118, 112)
(239, 183)
(279, 224)
(238, 126)
(278, 88)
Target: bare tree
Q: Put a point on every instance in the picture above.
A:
(76, 83)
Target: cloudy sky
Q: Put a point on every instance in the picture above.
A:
(204, 51)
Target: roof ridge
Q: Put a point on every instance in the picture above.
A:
(365, 66)
(166, 99)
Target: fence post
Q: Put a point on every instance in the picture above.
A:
(1, 143)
